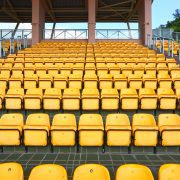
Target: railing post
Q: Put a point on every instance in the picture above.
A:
(169, 50)
(163, 45)
(11, 45)
(172, 48)
(19, 43)
(25, 41)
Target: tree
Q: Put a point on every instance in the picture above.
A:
(177, 14)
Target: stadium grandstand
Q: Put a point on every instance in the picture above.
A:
(87, 104)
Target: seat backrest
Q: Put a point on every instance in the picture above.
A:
(12, 119)
(134, 172)
(90, 172)
(12, 171)
(117, 119)
(169, 171)
(143, 119)
(168, 119)
(38, 119)
(64, 119)
(36, 91)
(47, 172)
(90, 119)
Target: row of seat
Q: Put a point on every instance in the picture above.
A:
(90, 131)
(90, 99)
(78, 81)
(89, 172)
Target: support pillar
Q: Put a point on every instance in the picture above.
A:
(145, 20)
(91, 21)
(38, 21)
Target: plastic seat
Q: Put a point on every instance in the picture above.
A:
(101, 69)
(75, 81)
(129, 99)
(48, 172)
(164, 81)
(11, 126)
(167, 98)
(134, 171)
(149, 81)
(71, 99)
(150, 69)
(40, 70)
(29, 70)
(11, 170)
(145, 131)
(91, 171)
(176, 80)
(169, 171)
(90, 68)
(138, 69)
(109, 99)
(148, 98)
(63, 130)
(105, 81)
(60, 81)
(45, 81)
(65, 69)
(135, 81)
(120, 81)
(169, 128)
(2, 94)
(52, 99)
(162, 68)
(90, 81)
(53, 70)
(15, 81)
(3, 81)
(36, 130)
(30, 81)
(126, 70)
(33, 98)
(91, 130)
(14, 99)
(90, 99)
(118, 130)
(114, 69)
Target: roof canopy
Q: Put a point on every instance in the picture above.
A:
(69, 11)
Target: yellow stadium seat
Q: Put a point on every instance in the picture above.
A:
(14, 98)
(176, 80)
(150, 69)
(29, 71)
(91, 130)
(75, 81)
(90, 81)
(78, 69)
(162, 68)
(164, 81)
(90, 99)
(135, 81)
(148, 98)
(2, 94)
(11, 126)
(11, 170)
(41, 70)
(33, 98)
(45, 81)
(63, 130)
(52, 99)
(65, 69)
(53, 70)
(129, 99)
(47, 172)
(134, 171)
(36, 130)
(145, 131)
(30, 81)
(149, 81)
(120, 81)
(114, 69)
(60, 81)
(5, 71)
(15, 81)
(101, 69)
(3, 81)
(118, 130)
(71, 99)
(90, 68)
(105, 81)
(109, 99)
(126, 70)
(138, 69)
(91, 171)
(169, 128)
(169, 171)
(167, 98)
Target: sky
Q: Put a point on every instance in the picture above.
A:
(162, 11)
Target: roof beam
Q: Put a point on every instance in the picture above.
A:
(135, 5)
(50, 13)
(9, 10)
(117, 4)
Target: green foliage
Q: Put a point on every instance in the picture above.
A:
(175, 24)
